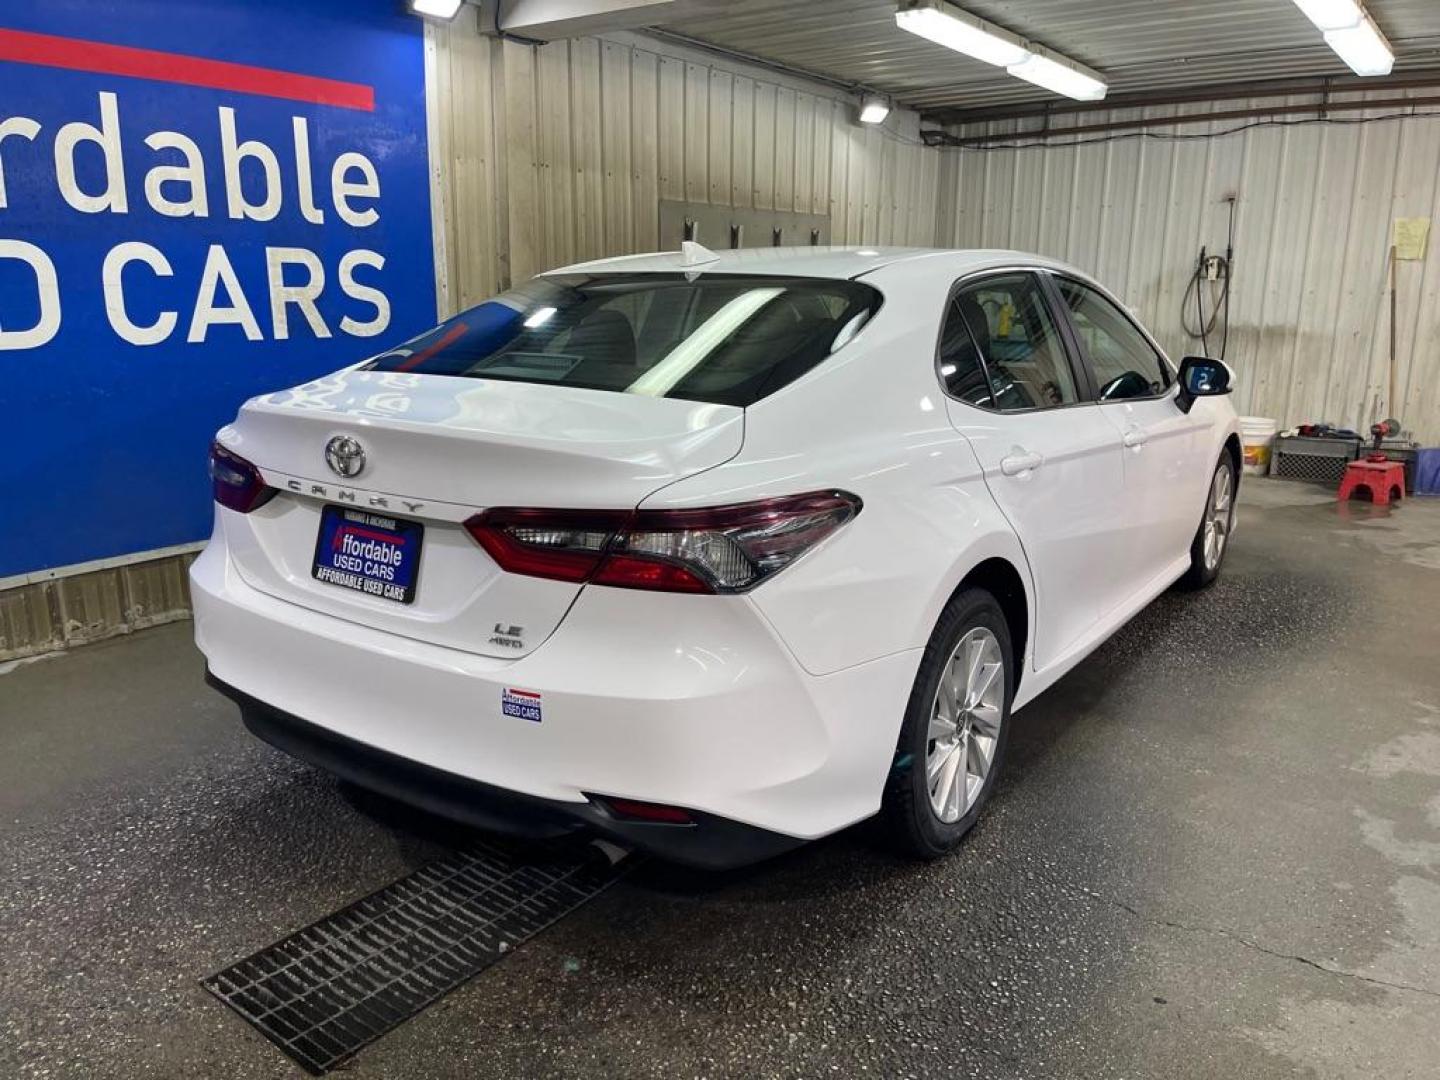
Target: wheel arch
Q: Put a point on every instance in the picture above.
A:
(1000, 577)
(1232, 447)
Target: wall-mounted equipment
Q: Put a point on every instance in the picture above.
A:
(874, 108)
(738, 227)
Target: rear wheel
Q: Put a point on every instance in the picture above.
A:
(1212, 539)
(956, 726)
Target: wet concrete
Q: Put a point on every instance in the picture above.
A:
(1216, 852)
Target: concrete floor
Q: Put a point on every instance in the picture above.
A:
(1216, 852)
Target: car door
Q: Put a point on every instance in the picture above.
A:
(1165, 474)
(1050, 460)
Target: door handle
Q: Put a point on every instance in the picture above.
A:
(1136, 437)
(1019, 463)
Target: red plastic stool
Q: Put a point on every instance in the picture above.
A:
(1384, 479)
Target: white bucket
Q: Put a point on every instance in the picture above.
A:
(1257, 436)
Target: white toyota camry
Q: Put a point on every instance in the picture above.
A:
(711, 553)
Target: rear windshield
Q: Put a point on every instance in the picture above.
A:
(724, 339)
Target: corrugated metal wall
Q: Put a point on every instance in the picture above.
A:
(1309, 330)
(587, 136)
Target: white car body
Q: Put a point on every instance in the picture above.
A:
(774, 710)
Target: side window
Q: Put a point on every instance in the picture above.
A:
(960, 364)
(1020, 343)
(1125, 364)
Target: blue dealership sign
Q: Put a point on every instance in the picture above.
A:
(200, 200)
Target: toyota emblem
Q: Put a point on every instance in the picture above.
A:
(345, 456)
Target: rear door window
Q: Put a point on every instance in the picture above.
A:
(725, 339)
(961, 368)
(1011, 323)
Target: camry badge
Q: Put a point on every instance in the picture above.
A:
(345, 456)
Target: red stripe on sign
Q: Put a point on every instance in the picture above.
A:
(73, 54)
(522, 693)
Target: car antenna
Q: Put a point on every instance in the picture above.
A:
(693, 254)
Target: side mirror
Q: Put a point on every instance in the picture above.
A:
(1201, 376)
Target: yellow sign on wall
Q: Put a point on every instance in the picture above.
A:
(1410, 236)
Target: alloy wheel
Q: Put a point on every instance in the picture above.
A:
(1217, 517)
(965, 721)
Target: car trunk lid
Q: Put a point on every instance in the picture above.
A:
(437, 450)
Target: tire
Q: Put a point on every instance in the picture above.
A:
(972, 625)
(1216, 524)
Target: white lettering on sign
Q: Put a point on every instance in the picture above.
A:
(367, 293)
(107, 137)
(47, 288)
(197, 202)
(120, 321)
(255, 179)
(308, 210)
(343, 190)
(217, 272)
(302, 296)
(234, 154)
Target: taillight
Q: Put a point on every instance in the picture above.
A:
(238, 484)
(565, 545)
(722, 549)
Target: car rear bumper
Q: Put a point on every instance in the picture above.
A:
(684, 701)
(706, 841)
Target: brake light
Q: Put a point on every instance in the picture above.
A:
(237, 483)
(564, 545)
(722, 549)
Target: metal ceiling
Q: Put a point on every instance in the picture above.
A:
(1143, 47)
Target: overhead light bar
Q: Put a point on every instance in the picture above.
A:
(1063, 76)
(436, 9)
(874, 109)
(947, 25)
(1349, 30)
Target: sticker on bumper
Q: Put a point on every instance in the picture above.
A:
(521, 704)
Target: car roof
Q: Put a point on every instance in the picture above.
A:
(820, 262)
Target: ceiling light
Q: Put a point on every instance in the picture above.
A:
(1331, 14)
(436, 9)
(540, 318)
(947, 25)
(1061, 76)
(1363, 47)
(1352, 34)
(874, 109)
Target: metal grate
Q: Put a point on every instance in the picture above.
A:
(326, 991)
(1311, 467)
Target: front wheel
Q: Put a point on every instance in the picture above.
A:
(952, 741)
(1207, 550)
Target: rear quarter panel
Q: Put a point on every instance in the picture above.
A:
(871, 420)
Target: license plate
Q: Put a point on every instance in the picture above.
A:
(371, 553)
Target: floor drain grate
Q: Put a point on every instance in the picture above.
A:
(324, 992)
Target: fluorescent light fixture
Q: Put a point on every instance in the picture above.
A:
(540, 318)
(1062, 76)
(874, 109)
(436, 9)
(947, 25)
(1331, 14)
(1350, 31)
(1363, 47)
